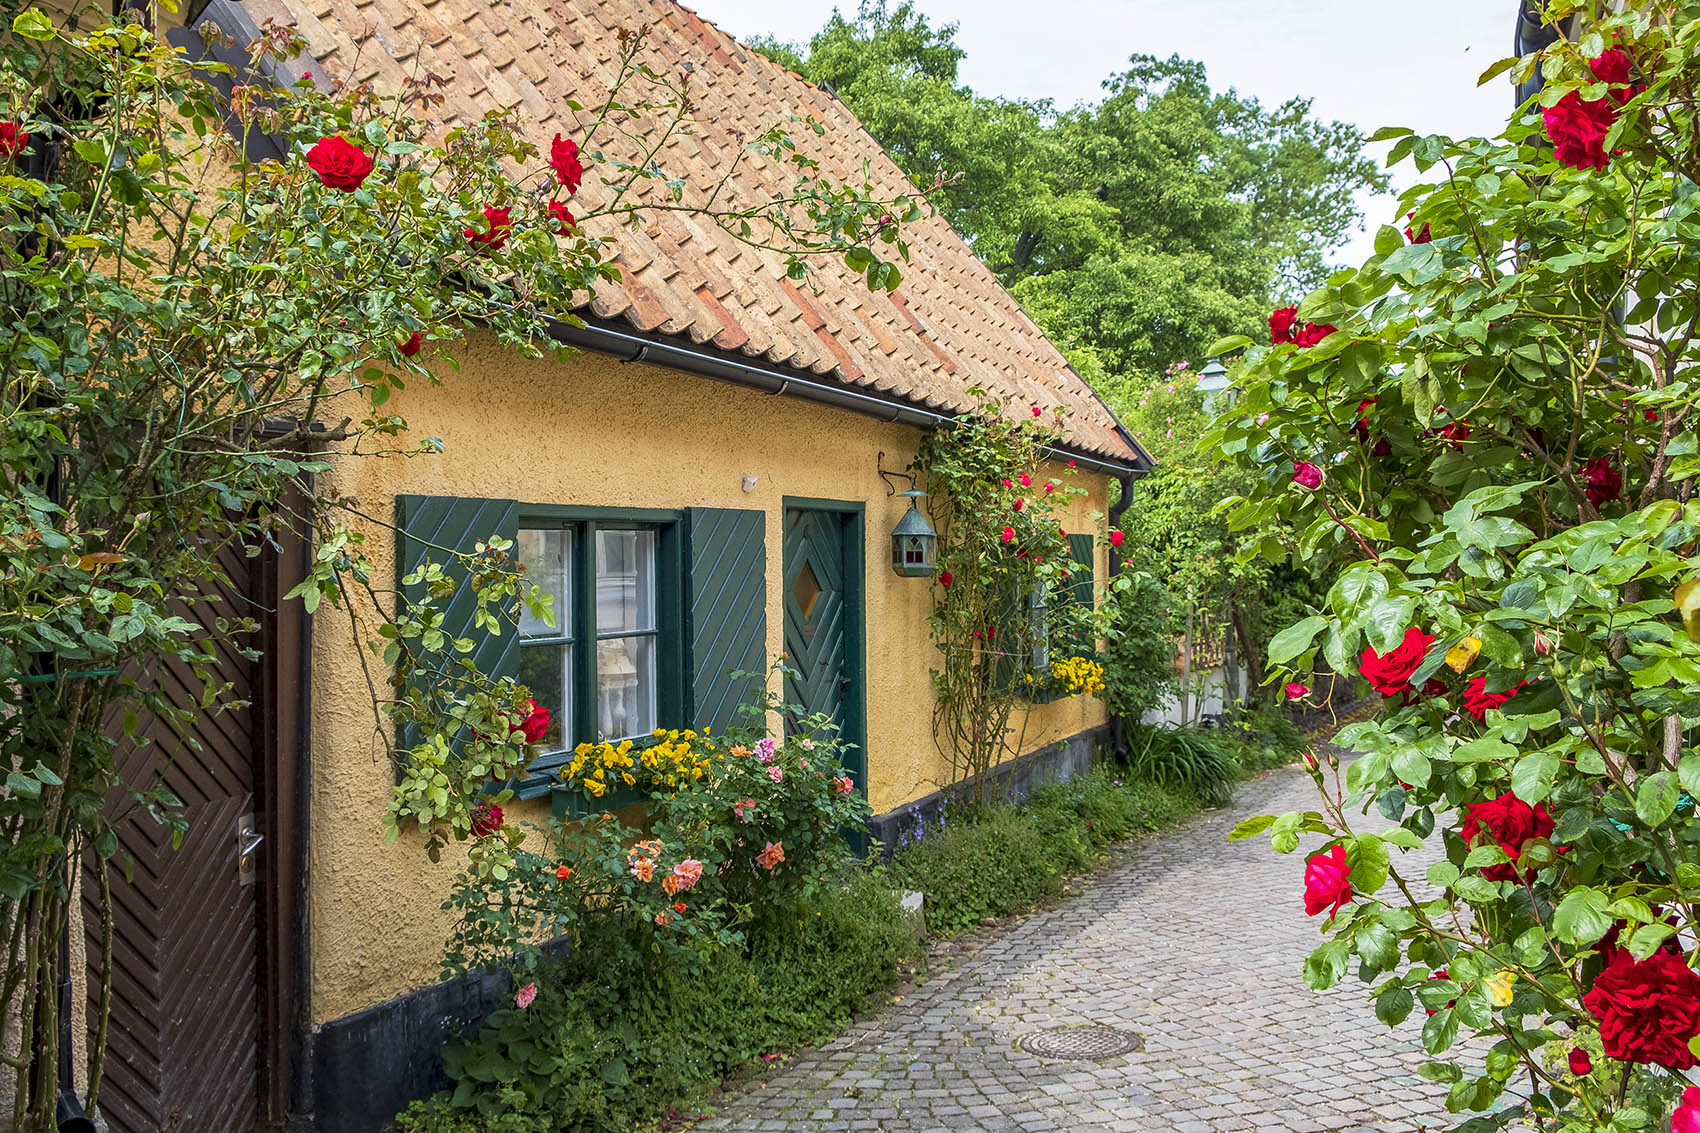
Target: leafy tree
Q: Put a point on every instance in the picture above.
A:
(1136, 229)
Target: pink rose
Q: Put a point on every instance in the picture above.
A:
(1686, 1119)
(1307, 475)
(776, 773)
(526, 996)
(1009, 534)
(1327, 881)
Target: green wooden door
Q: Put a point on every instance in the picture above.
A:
(816, 613)
(824, 631)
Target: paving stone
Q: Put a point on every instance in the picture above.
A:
(1163, 943)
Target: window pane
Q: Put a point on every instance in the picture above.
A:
(625, 580)
(548, 555)
(547, 671)
(625, 687)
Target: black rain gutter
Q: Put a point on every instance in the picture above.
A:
(629, 347)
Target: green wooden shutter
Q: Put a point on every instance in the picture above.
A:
(725, 610)
(1084, 550)
(459, 523)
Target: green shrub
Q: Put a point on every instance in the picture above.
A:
(1005, 859)
(1188, 759)
(626, 1027)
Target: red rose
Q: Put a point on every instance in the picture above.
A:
(339, 163)
(1297, 691)
(569, 171)
(1612, 67)
(1509, 821)
(1117, 538)
(1604, 484)
(562, 213)
(1018, 504)
(496, 234)
(534, 725)
(1578, 130)
(1477, 699)
(486, 819)
(1360, 426)
(1391, 675)
(1037, 412)
(1307, 475)
(946, 578)
(1686, 1119)
(1580, 1063)
(412, 345)
(1422, 237)
(1008, 535)
(1647, 1010)
(13, 141)
(1313, 333)
(1281, 324)
(1328, 882)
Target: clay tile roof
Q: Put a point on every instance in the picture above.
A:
(949, 327)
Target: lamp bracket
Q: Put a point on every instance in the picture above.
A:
(887, 476)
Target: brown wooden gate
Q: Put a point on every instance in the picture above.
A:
(185, 1036)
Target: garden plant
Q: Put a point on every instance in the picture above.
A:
(1489, 430)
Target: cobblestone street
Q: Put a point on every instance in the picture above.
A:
(1196, 945)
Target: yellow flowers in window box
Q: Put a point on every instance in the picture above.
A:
(1078, 675)
(673, 759)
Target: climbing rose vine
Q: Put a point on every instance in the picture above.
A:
(1496, 453)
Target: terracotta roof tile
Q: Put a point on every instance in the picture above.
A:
(949, 327)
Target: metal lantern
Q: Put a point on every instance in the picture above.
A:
(914, 543)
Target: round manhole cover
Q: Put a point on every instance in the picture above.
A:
(1081, 1041)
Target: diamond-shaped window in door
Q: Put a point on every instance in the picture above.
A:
(806, 590)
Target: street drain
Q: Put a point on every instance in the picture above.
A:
(1081, 1041)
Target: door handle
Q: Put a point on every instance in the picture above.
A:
(248, 840)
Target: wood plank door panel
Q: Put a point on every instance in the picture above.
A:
(184, 1029)
(816, 613)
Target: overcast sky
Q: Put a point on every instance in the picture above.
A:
(1369, 62)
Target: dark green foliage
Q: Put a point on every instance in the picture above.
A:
(1193, 760)
(1007, 859)
(622, 1029)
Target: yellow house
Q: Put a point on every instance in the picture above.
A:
(699, 485)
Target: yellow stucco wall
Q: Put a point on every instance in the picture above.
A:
(591, 431)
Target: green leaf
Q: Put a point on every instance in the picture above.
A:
(1394, 1005)
(32, 24)
(1532, 777)
(1251, 827)
(1295, 639)
(1325, 966)
(1227, 345)
(1389, 133)
(1656, 797)
(1369, 861)
(1581, 918)
(1440, 1031)
(1442, 874)
(1688, 773)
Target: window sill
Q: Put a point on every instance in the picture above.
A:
(570, 802)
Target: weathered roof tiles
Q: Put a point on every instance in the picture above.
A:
(949, 327)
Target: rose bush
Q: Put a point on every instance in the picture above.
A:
(729, 826)
(1505, 426)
